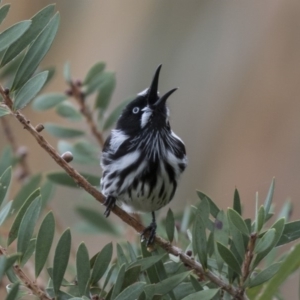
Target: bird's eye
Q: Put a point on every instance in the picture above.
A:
(135, 110)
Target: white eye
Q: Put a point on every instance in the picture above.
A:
(135, 110)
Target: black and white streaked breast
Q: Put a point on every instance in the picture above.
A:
(142, 172)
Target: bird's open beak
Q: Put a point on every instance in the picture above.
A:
(153, 99)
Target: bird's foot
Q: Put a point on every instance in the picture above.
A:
(152, 231)
(110, 203)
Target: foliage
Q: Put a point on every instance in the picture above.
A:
(241, 252)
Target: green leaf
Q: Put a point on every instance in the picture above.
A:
(4, 183)
(3, 12)
(31, 185)
(4, 111)
(229, 258)
(237, 202)
(114, 115)
(61, 258)
(27, 225)
(213, 208)
(165, 286)
(266, 241)
(237, 239)
(287, 267)
(11, 259)
(39, 21)
(63, 178)
(203, 295)
(238, 221)
(13, 294)
(36, 53)
(47, 191)
(67, 110)
(265, 275)
(95, 70)
(290, 233)
(11, 34)
(29, 251)
(44, 242)
(101, 263)
(269, 197)
(13, 232)
(83, 269)
(221, 233)
(147, 262)
(199, 239)
(121, 256)
(131, 276)
(63, 132)
(29, 90)
(67, 72)
(5, 159)
(2, 266)
(107, 278)
(5, 212)
(106, 90)
(260, 219)
(170, 225)
(205, 211)
(131, 292)
(119, 282)
(98, 220)
(46, 101)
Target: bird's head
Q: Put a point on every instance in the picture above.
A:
(148, 111)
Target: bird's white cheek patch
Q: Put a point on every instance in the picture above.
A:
(145, 117)
(117, 138)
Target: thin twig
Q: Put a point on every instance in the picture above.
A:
(84, 109)
(82, 182)
(31, 285)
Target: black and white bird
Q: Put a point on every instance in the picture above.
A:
(143, 158)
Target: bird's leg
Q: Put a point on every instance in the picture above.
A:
(151, 229)
(110, 203)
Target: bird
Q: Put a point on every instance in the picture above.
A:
(142, 158)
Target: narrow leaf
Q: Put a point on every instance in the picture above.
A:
(269, 197)
(63, 132)
(83, 269)
(3, 12)
(4, 183)
(121, 256)
(266, 241)
(132, 292)
(61, 258)
(98, 220)
(265, 275)
(29, 251)
(229, 258)
(36, 53)
(4, 111)
(47, 101)
(67, 72)
(67, 110)
(101, 264)
(13, 232)
(105, 91)
(44, 242)
(29, 90)
(13, 293)
(39, 21)
(237, 202)
(260, 220)
(12, 33)
(290, 233)
(203, 295)
(147, 262)
(238, 221)
(5, 212)
(95, 70)
(170, 225)
(27, 225)
(131, 276)
(6, 159)
(214, 210)
(118, 284)
(64, 179)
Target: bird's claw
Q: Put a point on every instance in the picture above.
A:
(110, 203)
(152, 231)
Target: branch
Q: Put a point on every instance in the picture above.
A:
(76, 92)
(31, 285)
(82, 182)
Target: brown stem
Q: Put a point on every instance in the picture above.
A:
(31, 285)
(82, 182)
(84, 109)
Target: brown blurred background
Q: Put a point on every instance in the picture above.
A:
(238, 68)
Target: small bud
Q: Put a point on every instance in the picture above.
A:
(6, 91)
(67, 156)
(78, 82)
(22, 151)
(189, 253)
(39, 127)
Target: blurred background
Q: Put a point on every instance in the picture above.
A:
(237, 66)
